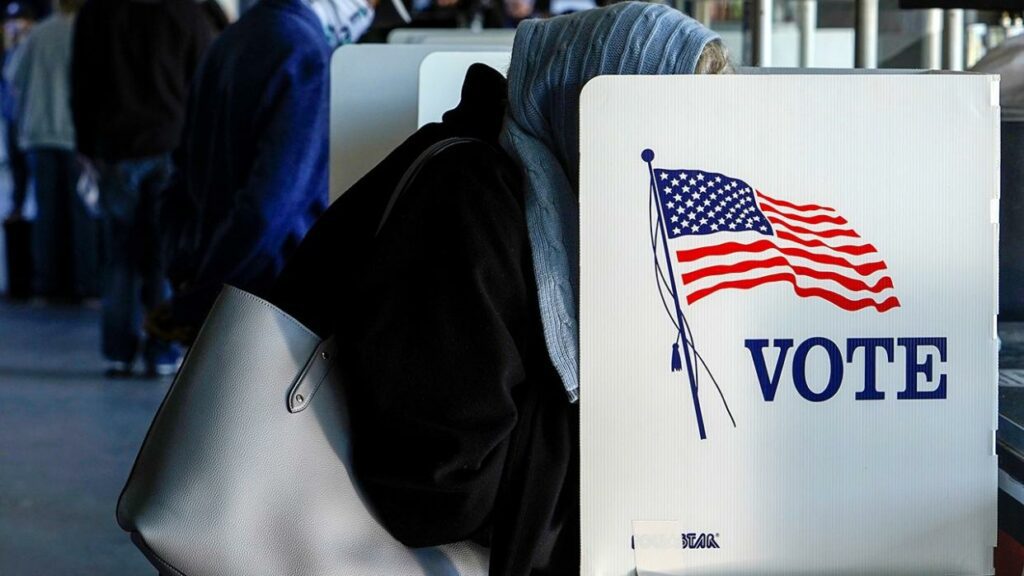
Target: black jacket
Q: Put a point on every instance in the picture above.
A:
(460, 425)
(130, 71)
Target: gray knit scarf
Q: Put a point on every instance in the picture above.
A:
(551, 62)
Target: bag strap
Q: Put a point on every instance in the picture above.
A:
(320, 363)
(414, 170)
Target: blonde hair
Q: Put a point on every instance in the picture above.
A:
(714, 59)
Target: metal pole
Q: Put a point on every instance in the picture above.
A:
(648, 156)
(762, 32)
(931, 53)
(866, 37)
(808, 29)
(954, 39)
(702, 12)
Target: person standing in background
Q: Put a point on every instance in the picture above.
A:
(253, 161)
(131, 67)
(18, 21)
(215, 14)
(64, 237)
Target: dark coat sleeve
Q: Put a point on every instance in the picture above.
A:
(84, 81)
(438, 349)
(288, 176)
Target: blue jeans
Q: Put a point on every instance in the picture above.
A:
(64, 235)
(135, 280)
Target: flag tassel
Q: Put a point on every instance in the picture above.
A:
(677, 361)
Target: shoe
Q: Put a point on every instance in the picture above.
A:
(162, 370)
(164, 363)
(118, 370)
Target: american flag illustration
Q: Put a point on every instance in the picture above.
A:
(760, 239)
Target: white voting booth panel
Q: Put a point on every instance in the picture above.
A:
(374, 104)
(828, 246)
(441, 76)
(452, 36)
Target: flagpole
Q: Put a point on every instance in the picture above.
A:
(648, 157)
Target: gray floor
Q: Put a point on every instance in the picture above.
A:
(67, 440)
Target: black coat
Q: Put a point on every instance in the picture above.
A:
(132, 62)
(460, 426)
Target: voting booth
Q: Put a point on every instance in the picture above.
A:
(788, 304)
(441, 76)
(375, 99)
(787, 316)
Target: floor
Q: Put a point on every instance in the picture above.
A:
(68, 438)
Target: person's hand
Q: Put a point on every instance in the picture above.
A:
(90, 165)
(519, 9)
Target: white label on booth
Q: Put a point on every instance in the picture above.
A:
(787, 298)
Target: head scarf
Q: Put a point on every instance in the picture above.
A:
(551, 62)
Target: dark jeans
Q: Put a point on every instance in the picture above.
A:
(135, 275)
(64, 235)
(18, 164)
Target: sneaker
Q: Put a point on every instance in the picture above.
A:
(162, 369)
(118, 370)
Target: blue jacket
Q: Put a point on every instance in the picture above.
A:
(254, 157)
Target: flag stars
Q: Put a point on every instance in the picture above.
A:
(707, 203)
